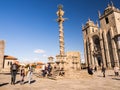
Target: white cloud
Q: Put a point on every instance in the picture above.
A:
(44, 55)
(39, 51)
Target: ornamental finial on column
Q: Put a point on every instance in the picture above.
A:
(60, 12)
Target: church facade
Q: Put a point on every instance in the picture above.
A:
(102, 44)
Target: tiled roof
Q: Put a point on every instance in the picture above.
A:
(7, 57)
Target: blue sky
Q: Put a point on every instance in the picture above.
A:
(31, 32)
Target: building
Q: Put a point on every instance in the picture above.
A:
(8, 60)
(73, 60)
(102, 44)
(2, 46)
(5, 60)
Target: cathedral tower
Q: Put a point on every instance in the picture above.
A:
(91, 42)
(110, 26)
(102, 44)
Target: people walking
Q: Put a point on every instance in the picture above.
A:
(22, 74)
(13, 70)
(90, 70)
(29, 74)
(103, 70)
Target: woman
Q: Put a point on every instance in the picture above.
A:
(29, 75)
(22, 74)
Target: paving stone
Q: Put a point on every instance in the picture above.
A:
(83, 82)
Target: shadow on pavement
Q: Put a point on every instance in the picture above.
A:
(99, 76)
(33, 81)
(5, 73)
(3, 84)
(17, 82)
(25, 82)
(116, 78)
(111, 75)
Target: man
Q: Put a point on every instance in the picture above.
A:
(49, 69)
(13, 69)
(103, 70)
(90, 71)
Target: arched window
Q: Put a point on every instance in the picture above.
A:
(92, 29)
(107, 20)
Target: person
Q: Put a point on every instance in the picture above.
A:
(43, 70)
(49, 69)
(13, 70)
(22, 74)
(116, 71)
(95, 69)
(29, 74)
(90, 70)
(62, 72)
(103, 70)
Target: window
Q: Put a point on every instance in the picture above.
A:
(8, 63)
(86, 32)
(92, 29)
(107, 20)
(119, 42)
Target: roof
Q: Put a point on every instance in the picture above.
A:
(7, 57)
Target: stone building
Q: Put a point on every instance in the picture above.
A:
(8, 60)
(73, 60)
(102, 44)
(2, 46)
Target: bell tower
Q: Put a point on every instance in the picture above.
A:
(90, 34)
(110, 26)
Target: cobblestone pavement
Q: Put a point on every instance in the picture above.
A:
(95, 82)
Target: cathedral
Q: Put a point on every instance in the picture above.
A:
(102, 43)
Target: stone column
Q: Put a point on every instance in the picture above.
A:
(91, 52)
(114, 48)
(96, 62)
(89, 59)
(102, 50)
(118, 47)
(107, 50)
(85, 54)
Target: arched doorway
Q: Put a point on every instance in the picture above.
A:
(97, 50)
